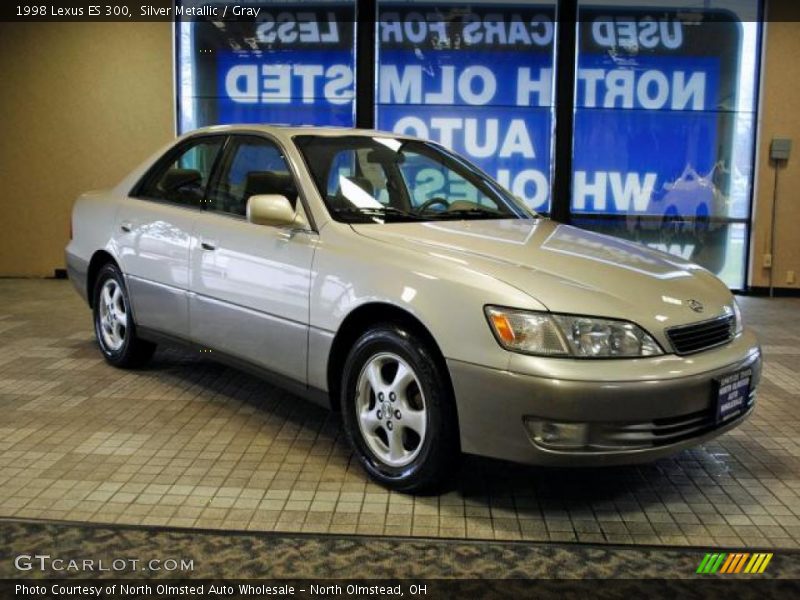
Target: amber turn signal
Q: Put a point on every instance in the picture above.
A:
(503, 327)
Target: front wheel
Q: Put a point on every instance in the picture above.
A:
(113, 322)
(399, 412)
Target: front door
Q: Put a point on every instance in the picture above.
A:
(250, 283)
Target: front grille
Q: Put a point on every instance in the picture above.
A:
(696, 337)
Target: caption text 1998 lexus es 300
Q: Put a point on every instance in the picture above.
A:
(390, 279)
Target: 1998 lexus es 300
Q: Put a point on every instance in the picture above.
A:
(392, 280)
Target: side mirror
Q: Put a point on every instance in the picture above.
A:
(271, 209)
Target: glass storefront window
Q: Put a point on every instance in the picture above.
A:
(665, 100)
(476, 77)
(665, 126)
(294, 64)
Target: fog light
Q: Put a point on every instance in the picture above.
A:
(559, 436)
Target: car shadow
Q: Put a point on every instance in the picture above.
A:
(568, 488)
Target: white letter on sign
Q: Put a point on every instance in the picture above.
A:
(401, 87)
(339, 88)
(517, 141)
(584, 189)
(247, 94)
(488, 85)
(526, 86)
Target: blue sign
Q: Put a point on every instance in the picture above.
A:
(646, 138)
(292, 63)
(651, 98)
(479, 81)
(492, 107)
(289, 86)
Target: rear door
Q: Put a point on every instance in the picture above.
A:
(154, 231)
(251, 283)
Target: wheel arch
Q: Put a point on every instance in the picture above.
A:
(360, 320)
(98, 260)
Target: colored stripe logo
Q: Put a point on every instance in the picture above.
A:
(734, 562)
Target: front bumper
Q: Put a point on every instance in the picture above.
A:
(649, 407)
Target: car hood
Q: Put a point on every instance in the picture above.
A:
(570, 270)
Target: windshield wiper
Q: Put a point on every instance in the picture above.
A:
(378, 211)
(471, 212)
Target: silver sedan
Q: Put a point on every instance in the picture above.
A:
(389, 279)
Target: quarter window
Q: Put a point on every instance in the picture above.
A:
(183, 176)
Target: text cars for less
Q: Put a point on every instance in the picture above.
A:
(392, 280)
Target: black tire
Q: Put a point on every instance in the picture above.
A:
(133, 351)
(439, 450)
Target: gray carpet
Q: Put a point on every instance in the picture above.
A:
(273, 555)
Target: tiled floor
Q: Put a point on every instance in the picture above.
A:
(189, 443)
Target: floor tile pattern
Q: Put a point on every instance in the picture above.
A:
(189, 443)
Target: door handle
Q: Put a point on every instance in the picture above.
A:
(208, 245)
(126, 226)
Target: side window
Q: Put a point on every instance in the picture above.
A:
(182, 178)
(251, 166)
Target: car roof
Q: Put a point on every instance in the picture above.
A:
(288, 131)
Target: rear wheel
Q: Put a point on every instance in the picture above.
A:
(398, 411)
(114, 327)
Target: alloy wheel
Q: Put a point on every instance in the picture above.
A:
(391, 409)
(113, 315)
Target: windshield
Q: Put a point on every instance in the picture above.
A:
(380, 179)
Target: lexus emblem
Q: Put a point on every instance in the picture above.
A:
(695, 305)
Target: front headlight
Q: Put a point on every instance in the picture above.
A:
(547, 334)
(737, 317)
